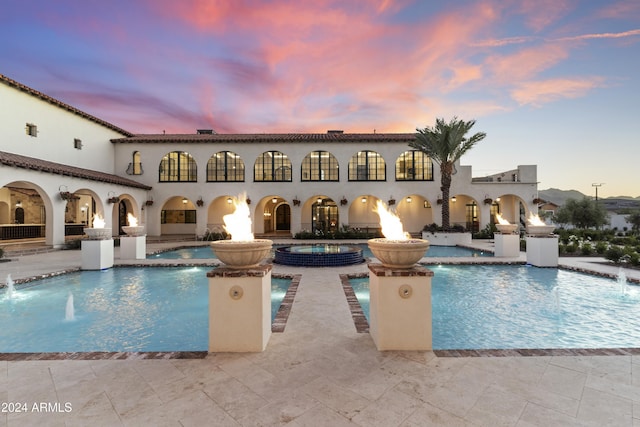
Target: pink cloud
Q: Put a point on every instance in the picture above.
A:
(536, 93)
(526, 63)
(539, 14)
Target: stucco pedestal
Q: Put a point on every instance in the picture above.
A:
(506, 245)
(542, 251)
(97, 254)
(239, 309)
(400, 308)
(133, 247)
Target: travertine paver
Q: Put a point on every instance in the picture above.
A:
(319, 371)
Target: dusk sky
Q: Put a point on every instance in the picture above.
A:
(552, 82)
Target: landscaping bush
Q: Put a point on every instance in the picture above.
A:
(1, 252)
(601, 247)
(571, 248)
(586, 249)
(614, 254)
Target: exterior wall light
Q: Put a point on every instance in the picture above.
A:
(184, 200)
(229, 200)
(363, 200)
(409, 199)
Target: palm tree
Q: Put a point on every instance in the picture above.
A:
(445, 143)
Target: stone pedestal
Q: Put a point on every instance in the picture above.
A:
(133, 247)
(97, 254)
(507, 245)
(239, 309)
(542, 251)
(400, 308)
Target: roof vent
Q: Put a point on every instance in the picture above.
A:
(334, 131)
(206, 131)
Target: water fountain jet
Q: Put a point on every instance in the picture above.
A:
(69, 312)
(10, 288)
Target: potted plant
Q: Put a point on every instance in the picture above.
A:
(343, 201)
(488, 201)
(114, 199)
(296, 202)
(200, 202)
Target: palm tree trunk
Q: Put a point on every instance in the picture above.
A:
(445, 183)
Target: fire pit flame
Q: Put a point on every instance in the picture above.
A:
(390, 223)
(132, 220)
(238, 223)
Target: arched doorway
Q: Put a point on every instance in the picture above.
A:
(324, 216)
(283, 217)
(122, 217)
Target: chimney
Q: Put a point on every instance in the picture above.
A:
(206, 131)
(335, 132)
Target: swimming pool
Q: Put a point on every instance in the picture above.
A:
(517, 307)
(119, 309)
(204, 252)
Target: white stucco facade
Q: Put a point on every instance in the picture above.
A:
(198, 204)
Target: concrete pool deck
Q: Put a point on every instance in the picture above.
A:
(319, 371)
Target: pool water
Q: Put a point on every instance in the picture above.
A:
(515, 307)
(119, 309)
(204, 252)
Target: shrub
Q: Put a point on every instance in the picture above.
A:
(614, 254)
(586, 249)
(73, 244)
(1, 252)
(601, 247)
(571, 248)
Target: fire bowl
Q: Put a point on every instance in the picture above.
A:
(540, 230)
(241, 254)
(507, 228)
(98, 233)
(398, 253)
(132, 230)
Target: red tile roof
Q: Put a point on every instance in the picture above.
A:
(47, 98)
(404, 138)
(25, 162)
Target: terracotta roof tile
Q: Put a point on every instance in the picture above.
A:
(404, 138)
(47, 98)
(25, 162)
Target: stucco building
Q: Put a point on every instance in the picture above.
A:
(59, 166)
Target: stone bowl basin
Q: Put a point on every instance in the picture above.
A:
(98, 233)
(242, 254)
(133, 230)
(507, 228)
(540, 230)
(398, 253)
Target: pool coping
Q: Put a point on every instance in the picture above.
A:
(362, 325)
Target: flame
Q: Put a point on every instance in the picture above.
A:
(238, 223)
(390, 223)
(98, 221)
(501, 220)
(132, 220)
(535, 220)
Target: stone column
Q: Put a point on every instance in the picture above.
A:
(239, 309)
(400, 308)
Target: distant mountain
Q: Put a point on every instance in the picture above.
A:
(559, 197)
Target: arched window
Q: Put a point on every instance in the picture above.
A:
(272, 166)
(414, 165)
(225, 166)
(178, 166)
(135, 167)
(367, 166)
(320, 166)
